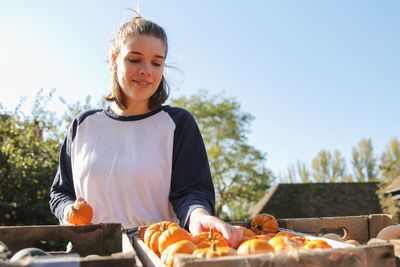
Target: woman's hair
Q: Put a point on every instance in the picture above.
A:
(132, 28)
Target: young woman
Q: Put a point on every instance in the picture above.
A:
(138, 161)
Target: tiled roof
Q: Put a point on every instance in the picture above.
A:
(320, 200)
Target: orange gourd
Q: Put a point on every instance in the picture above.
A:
(316, 243)
(254, 246)
(279, 242)
(265, 236)
(282, 242)
(213, 251)
(153, 232)
(182, 247)
(264, 223)
(247, 234)
(204, 239)
(284, 233)
(171, 236)
(300, 239)
(82, 213)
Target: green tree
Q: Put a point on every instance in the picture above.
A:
(390, 161)
(329, 168)
(29, 156)
(303, 172)
(389, 171)
(298, 173)
(364, 162)
(239, 173)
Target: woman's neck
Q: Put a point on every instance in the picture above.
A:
(137, 109)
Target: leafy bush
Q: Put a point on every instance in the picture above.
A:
(29, 148)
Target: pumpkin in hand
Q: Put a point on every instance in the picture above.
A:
(254, 246)
(181, 247)
(264, 223)
(81, 213)
(153, 232)
(204, 239)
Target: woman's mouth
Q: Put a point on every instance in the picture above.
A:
(142, 83)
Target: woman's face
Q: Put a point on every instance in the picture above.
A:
(139, 66)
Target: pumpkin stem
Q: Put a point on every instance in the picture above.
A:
(211, 234)
(213, 246)
(259, 227)
(162, 228)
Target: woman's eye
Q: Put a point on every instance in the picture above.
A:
(157, 64)
(133, 60)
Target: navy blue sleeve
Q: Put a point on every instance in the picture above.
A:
(62, 190)
(191, 183)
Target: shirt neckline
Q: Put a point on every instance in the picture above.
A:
(115, 116)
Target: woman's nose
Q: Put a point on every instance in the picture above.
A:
(145, 69)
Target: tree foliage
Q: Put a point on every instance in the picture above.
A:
(389, 171)
(364, 161)
(239, 173)
(28, 161)
(331, 167)
(328, 167)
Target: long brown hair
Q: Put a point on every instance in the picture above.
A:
(132, 28)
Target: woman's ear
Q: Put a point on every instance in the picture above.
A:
(114, 64)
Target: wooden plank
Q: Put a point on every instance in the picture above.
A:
(364, 256)
(310, 226)
(100, 239)
(98, 245)
(377, 222)
(145, 254)
(351, 227)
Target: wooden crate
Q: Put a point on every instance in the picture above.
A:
(94, 245)
(360, 228)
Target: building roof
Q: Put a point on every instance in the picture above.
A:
(320, 200)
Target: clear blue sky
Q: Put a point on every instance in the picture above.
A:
(314, 74)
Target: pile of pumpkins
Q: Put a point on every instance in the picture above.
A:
(166, 239)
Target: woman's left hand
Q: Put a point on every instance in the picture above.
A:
(200, 220)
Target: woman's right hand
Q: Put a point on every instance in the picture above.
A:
(68, 210)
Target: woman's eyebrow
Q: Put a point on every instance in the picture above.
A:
(138, 53)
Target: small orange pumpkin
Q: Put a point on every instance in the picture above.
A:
(279, 242)
(204, 239)
(254, 246)
(153, 232)
(265, 236)
(82, 213)
(264, 223)
(284, 233)
(183, 247)
(172, 235)
(213, 251)
(247, 234)
(316, 243)
(300, 239)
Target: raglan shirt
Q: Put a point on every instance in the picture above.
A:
(134, 170)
